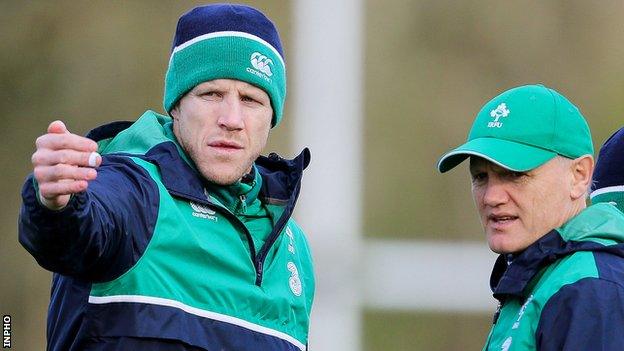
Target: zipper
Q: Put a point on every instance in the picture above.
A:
(259, 271)
(227, 213)
(252, 246)
(259, 262)
(243, 203)
(497, 313)
(277, 229)
(494, 320)
(258, 258)
(280, 224)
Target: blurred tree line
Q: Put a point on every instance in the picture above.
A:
(429, 66)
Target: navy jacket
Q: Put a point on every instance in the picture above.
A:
(104, 231)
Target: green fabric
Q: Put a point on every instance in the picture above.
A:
(237, 197)
(522, 129)
(147, 132)
(615, 198)
(228, 57)
(242, 200)
(199, 277)
(200, 258)
(518, 319)
(152, 129)
(600, 223)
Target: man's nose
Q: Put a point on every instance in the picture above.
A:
(495, 192)
(231, 114)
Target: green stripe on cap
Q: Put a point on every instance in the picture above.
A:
(227, 34)
(226, 57)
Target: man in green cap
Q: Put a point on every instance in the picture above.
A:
(559, 278)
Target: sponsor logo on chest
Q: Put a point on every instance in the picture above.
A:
(202, 211)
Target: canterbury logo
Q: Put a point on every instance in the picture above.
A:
(201, 208)
(262, 63)
(202, 211)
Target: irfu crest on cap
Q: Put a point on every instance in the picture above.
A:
(500, 111)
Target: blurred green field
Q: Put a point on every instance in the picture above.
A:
(383, 331)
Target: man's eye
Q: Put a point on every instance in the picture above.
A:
(479, 177)
(248, 99)
(516, 175)
(210, 94)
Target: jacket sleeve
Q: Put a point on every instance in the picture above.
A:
(101, 232)
(586, 315)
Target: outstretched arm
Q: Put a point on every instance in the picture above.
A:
(75, 223)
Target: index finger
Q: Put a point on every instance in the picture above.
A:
(57, 127)
(66, 141)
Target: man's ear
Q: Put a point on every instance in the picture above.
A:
(175, 111)
(582, 171)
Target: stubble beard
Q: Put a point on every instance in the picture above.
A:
(226, 172)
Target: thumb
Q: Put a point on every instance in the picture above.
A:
(57, 127)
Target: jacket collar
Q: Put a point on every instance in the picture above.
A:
(280, 178)
(579, 234)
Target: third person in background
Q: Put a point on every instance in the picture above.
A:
(608, 182)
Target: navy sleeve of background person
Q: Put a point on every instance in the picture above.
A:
(586, 315)
(101, 232)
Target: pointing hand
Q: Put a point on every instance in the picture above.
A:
(63, 164)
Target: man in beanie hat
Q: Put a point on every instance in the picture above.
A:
(559, 278)
(172, 233)
(608, 183)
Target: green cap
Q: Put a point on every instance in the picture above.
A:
(523, 128)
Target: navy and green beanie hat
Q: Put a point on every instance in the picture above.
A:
(608, 179)
(226, 41)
